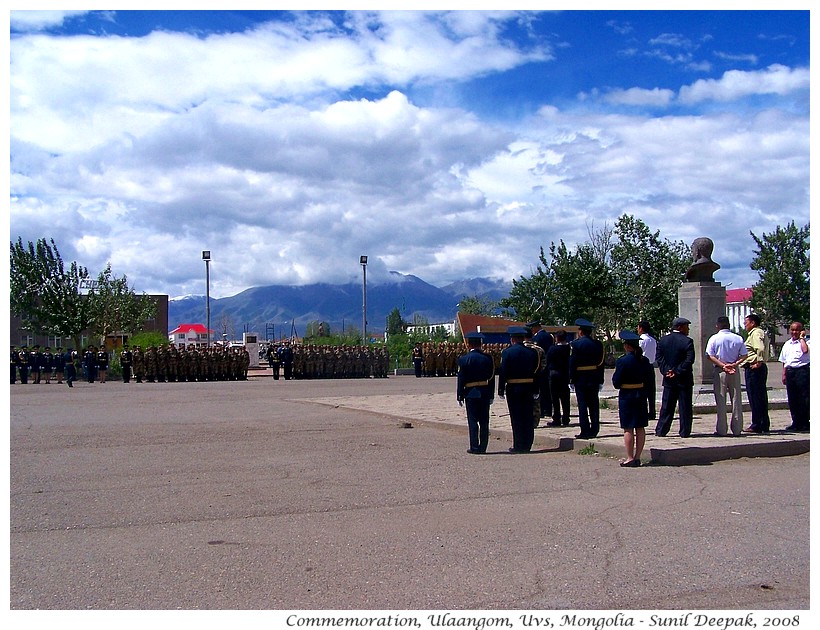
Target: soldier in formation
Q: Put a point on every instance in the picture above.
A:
(324, 361)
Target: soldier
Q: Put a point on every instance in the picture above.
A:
(126, 362)
(542, 364)
(516, 381)
(418, 359)
(90, 363)
(429, 360)
(173, 364)
(70, 367)
(545, 341)
(162, 364)
(286, 358)
(273, 361)
(151, 364)
(59, 365)
(586, 372)
(475, 386)
(36, 363)
(47, 364)
(23, 363)
(102, 363)
(632, 374)
(15, 359)
(138, 359)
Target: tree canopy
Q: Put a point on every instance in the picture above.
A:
(781, 295)
(50, 300)
(620, 276)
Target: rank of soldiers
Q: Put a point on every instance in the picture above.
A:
(325, 361)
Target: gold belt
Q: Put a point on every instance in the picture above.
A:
(632, 386)
(586, 368)
(477, 384)
(514, 381)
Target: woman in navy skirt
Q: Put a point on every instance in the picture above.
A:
(632, 373)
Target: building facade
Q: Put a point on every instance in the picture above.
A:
(22, 336)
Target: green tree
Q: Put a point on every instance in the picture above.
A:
(619, 276)
(114, 307)
(648, 271)
(781, 295)
(44, 294)
(477, 305)
(395, 323)
(49, 299)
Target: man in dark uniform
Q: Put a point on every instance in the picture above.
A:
(558, 369)
(70, 367)
(23, 363)
(675, 358)
(126, 361)
(286, 359)
(418, 359)
(586, 373)
(15, 359)
(544, 340)
(90, 363)
(475, 387)
(36, 363)
(273, 360)
(516, 381)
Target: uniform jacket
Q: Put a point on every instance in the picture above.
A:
(676, 352)
(475, 367)
(518, 362)
(586, 353)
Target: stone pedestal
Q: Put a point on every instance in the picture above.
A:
(702, 303)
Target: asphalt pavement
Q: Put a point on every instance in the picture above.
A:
(357, 495)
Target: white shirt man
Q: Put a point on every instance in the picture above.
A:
(725, 350)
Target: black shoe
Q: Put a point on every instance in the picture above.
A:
(517, 450)
(555, 423)
(474, 451)
(791, 427)
(582, 436)
(565, 423)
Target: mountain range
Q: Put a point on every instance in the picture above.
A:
(274, 311)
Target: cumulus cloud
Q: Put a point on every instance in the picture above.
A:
(292, 148)
(736, 84)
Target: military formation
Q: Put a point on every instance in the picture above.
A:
(310, 361)
(441, 359)
(169, 364)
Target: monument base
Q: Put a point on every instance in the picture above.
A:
(702, 303)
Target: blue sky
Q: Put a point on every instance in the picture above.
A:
(447, 145)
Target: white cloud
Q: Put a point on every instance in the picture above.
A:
(144, 151)
(655, 97)
(32, 21)
(736, 84)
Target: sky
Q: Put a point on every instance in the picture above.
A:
(446, 145)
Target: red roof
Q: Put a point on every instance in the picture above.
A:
(738, 296)
(186, 328)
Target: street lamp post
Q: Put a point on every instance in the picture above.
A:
(363, 262)
(206, 256)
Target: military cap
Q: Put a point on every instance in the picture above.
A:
(533, 324)
(474, 335)
(679, 321)
(584, 323)
(628, 336)
(517, 331)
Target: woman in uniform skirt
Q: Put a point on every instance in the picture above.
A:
(632, 373)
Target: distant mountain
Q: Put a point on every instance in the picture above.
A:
(486, 288)
(282, 307)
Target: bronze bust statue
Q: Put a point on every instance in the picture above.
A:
(702, 266)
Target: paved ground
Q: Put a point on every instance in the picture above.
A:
(349, 495)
